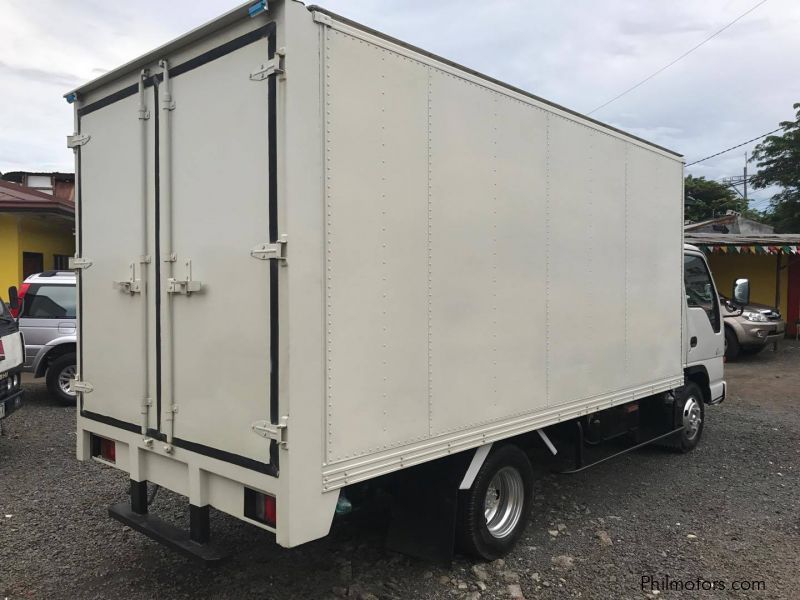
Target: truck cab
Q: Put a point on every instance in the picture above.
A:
(703, 328)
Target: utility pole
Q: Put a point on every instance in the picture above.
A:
(744, 180)
(736, 180)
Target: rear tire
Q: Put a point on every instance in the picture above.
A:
(732, 347)
(59, 372)
(493, 513)
(689, 412)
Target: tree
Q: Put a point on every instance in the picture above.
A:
(778, 162)
(705, 199)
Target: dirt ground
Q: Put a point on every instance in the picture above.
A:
(726, 515)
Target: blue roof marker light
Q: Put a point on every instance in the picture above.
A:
(71, 97)
(257, 8)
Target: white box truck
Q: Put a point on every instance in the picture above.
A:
(312, 256)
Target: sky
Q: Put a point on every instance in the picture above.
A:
(578, 53)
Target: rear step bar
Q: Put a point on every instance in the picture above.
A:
(194, 543)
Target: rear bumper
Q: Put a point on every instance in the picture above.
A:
(9, 404)
(205, 482)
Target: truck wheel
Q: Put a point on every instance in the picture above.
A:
(59, 373)
(690, 413)
(494, 511)
(732, 347)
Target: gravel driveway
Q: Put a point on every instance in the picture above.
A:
(727, 513)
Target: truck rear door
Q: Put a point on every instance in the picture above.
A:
(182, 212)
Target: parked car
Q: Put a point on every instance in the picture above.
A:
(748, 330)
(11, 357)
(47, 322)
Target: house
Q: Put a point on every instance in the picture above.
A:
(60, 185)
(36, 230)
(731, 222)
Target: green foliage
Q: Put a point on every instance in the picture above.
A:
(705, 199)
(778, 162)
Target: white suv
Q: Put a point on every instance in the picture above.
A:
(47, 322)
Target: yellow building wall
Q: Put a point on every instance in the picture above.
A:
(758, 268)
(47, 235)
(10, 254)
(44, 234)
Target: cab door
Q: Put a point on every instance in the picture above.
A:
(704, 337)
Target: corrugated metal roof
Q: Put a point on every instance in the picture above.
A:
(18, 198)
(739, 239)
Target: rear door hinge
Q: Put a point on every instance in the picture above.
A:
(277, 432)
(80, 387)
(273, 66)
(267, 251)
(77, 139)
(77, 262)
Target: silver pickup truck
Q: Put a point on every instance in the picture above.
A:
(11, 358)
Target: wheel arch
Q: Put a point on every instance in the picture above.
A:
(699, 375)
(54, 350)
(734, 327)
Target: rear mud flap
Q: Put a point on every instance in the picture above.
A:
(424, 509)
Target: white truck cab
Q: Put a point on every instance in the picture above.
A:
(704, 334)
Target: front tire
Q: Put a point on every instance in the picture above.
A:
(493, 513)
(689, 412)
(59, 374)
(732, 347)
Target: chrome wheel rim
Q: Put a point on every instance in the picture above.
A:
(692, 418)
(502, 507)
(67, 374)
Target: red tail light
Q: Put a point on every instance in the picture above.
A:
(23, 289)
(104, 449)
(108, 450)
(260, 507)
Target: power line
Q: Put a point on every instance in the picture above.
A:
(681, 57)
(735, 147)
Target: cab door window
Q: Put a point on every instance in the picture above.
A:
(700, 289)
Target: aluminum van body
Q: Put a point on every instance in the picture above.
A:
(311, 255)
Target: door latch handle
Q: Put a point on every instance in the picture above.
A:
(693, 341)
(133, 285)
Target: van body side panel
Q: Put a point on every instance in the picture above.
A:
(531, 212)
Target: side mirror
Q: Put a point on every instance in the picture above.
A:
(741, 292)
(13, 298)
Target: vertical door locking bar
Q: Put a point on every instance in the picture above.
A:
(144, 259)
(168, 255)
